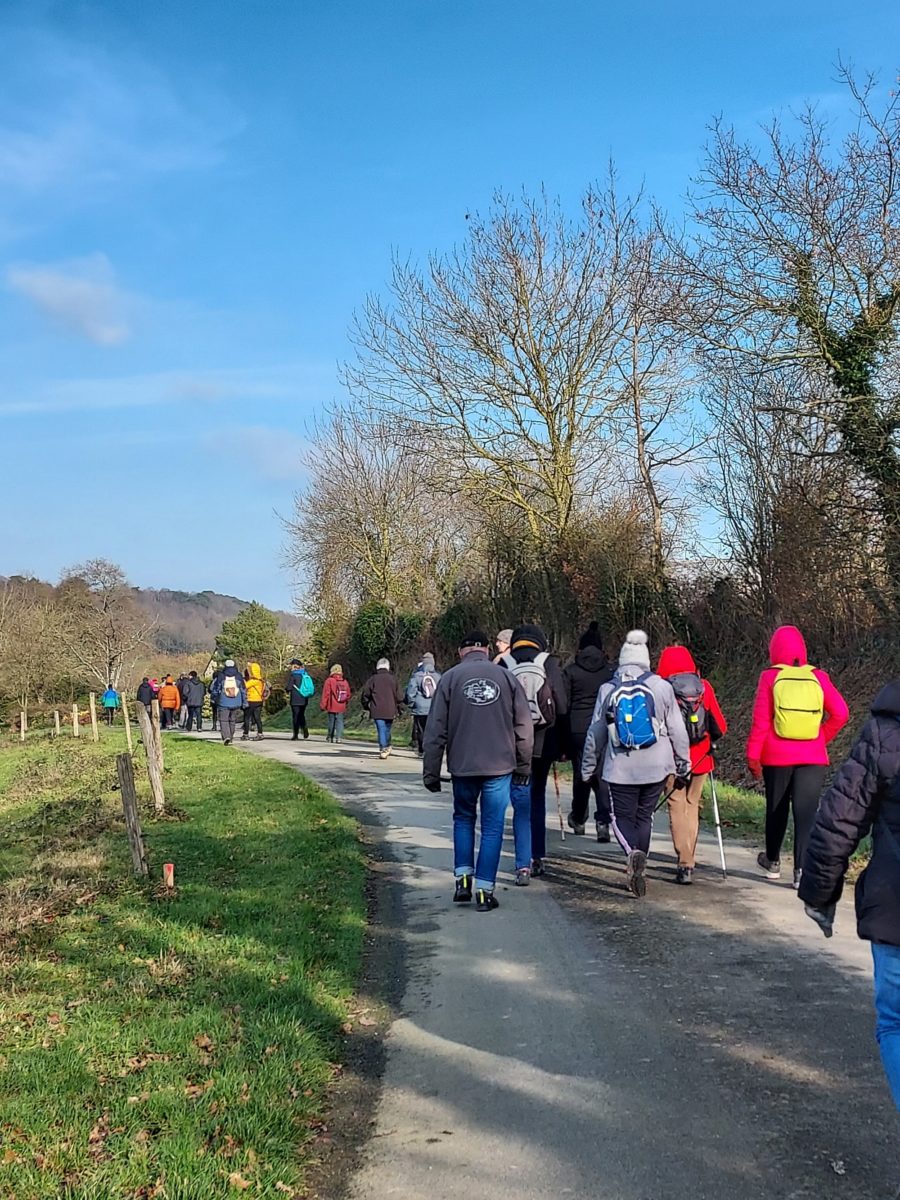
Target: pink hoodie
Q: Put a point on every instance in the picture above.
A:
(786, 649)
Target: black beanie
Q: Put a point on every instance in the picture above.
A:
(476, 638)
(591, 637)
(530, 633)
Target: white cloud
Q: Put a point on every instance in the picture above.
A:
(275, 454)
(76, 120)
(82, 295)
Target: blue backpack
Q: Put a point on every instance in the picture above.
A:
(306, 687)
(631, 714)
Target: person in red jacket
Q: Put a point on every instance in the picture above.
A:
(334, 700)
(705, 723)
(793, 767)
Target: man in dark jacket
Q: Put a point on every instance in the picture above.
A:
(194, 694)
(145, 693)
(865, 795)
(383, 701)
(584, 677)
(529, 646)
(298, 687)
(480, 716)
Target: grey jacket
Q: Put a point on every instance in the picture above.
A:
(194, 693)
(670, 754)
(418, 703)
(480, 716)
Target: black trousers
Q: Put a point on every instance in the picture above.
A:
(215, 714)
(581, 791)
(298, 719)
(253, 716)
(797, 789)
(110, 715)
(632, 813)
(418, 732)
(194, 713)
(168, 718)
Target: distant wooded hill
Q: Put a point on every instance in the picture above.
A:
(190, 621)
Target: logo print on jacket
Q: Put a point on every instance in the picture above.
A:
(481, 692)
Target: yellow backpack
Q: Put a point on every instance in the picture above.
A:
(799, 704)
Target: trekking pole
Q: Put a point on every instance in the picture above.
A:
(668, 796)
(715, 800)
(562, 827)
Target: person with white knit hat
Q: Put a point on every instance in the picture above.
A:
(637, 739)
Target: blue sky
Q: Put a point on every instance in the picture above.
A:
(195, 197)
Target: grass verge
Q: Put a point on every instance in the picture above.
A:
(177, 1047)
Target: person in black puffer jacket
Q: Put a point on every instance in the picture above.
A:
(584, 676)
(529, 644)
(865, 795)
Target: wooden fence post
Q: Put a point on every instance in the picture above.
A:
(76, 730)
(95, 733)
(157, 735)
(154, 766)
(125, 771)
(127, 724)
(56, 721)
(23, 724)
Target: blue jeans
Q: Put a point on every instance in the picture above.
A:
(384, 732)
(494, 793)
(520, 794)
(336, 725)
(887, 1008)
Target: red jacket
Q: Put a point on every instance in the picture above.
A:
(786, 649)
(678, 660)
(329, 702)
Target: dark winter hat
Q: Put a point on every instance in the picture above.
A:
(591, 637)
(476, 639)
(529, 635)
(295, 662)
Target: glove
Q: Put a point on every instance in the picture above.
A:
(754, 766)
(432, 783)
(823, 917)
(680, 783)
(521, 780)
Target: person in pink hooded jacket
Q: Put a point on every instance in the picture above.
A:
(793, 768)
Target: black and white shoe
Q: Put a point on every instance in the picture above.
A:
(684, 875)
(485, 900)
(602, 831)
(537, 868)
(463, 893)
(637, 880)
(771, 867)
(577, 827)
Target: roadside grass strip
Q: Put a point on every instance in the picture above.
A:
(169, 1045)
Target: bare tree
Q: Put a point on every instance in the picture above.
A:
(102, 626)
(30, 662)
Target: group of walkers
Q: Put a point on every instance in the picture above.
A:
(180, 700)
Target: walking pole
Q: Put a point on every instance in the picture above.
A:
(562, 827)
(715, 800)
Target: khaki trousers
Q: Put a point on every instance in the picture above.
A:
(684, 818)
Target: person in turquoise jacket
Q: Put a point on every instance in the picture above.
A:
(110, 702)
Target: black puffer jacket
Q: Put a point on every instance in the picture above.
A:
(584, 677)
(865, 795)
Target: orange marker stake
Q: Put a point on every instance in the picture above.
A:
(169, 874)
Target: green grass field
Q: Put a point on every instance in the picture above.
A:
(179, 1046)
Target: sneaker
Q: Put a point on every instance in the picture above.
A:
(637, 880)
(260, 737)
(772, 869)
(463, 893)
(227, 742)
(602, 831)
(305, 734)
(577, 827)
(245, 737)
(798, 871)
(485, 900)
(537, 868)
(523, 876)
(295, 737)
(382, 754)
(684, 875)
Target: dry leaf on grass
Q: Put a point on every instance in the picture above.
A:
(237, 1180)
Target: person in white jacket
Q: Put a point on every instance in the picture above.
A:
(637, 739)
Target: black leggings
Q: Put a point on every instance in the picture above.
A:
(253, 716)
(797, 788)
(298, 714)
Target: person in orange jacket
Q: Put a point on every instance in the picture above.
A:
(169, 703)
(705, 723)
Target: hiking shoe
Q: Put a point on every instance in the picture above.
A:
(684, 875)
(260, 737)
(245, 737)
(537, 868)
(305, 734)
(602, 831)
(227, 742)
(637, 880)
(798, 871)
(576, 826)
(485, 900)
(382, 754)
(772, 869)
(523, 876)
(463, 893)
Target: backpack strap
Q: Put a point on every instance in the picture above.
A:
(540, 659)
(509, 661)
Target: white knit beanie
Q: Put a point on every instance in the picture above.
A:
(635, 652)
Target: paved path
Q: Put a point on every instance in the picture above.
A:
(705, 1042)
